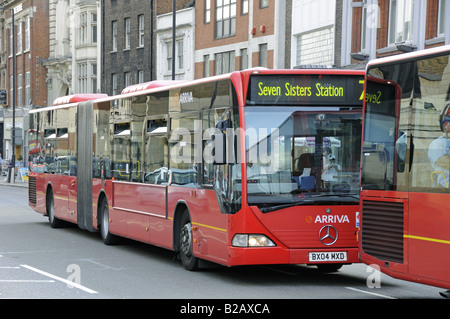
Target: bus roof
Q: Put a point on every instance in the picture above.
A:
(158, 85)
(149, 85)
(407, 56)
(75, 98)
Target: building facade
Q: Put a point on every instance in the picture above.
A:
(350, 33)
(128, 42)
(27, 47)
(236, 35)
(74, 48)
(377, 28)
(71, 46)
(184, 45)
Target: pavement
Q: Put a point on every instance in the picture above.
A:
(17, 183)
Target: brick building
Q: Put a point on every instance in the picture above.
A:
(377, 28)
(31, 47)
(235, 35)
(350, 33)
(127, 57)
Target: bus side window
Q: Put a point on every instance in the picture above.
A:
(156, 155)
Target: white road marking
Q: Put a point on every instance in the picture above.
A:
(370, 293)
(68, 282)
(22, 281)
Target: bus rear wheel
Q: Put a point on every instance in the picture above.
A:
(107, 237)
(189, 261)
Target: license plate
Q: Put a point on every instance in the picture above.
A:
(328, 256)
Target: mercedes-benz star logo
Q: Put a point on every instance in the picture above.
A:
(328, 235)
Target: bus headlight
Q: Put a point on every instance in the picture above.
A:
(252, 240)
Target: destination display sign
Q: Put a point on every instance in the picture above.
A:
(305, 89)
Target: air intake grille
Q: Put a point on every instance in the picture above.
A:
(32, 190)
(382, 230)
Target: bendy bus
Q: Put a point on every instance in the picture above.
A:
(252, 167)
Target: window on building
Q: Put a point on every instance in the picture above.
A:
(141, 76)
(87, 77)
(363, 27)
(400, 21)
(128, 79)
(442, 17)
(169, 56)
(28, 88)
(207, 11)
(224, 62)
(11, 86)
(19, 90)
(94, 27)
(11, 42)
(82, 77)
(27, 34)
(180, 56)
(114, 35)
(82, 28)
(263, 55)
(19, 38)
(127, 29)
(93, 76)
(244, 7)
(244, 59)
(263, 3)
(316, 47)
(225, 18)
(206, 65)
(87, 28)
(114, 84)
(141, 29)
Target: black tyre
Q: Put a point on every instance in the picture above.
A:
(189, 261)
(107, 237)
(329, 267)
(50, 203)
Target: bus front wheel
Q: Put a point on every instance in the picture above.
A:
(329, 267)
(54, 221)
(189, 261)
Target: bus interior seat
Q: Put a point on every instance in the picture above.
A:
(307, 182)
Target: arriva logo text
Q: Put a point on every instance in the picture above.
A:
(332, 219)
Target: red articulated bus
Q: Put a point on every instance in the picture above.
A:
(405, 223)
(252, 167)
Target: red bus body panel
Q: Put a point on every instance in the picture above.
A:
(426, 240)
(295, 231)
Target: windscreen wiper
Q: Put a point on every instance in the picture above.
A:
(312, 199)
(277, 207)
(353, 196)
